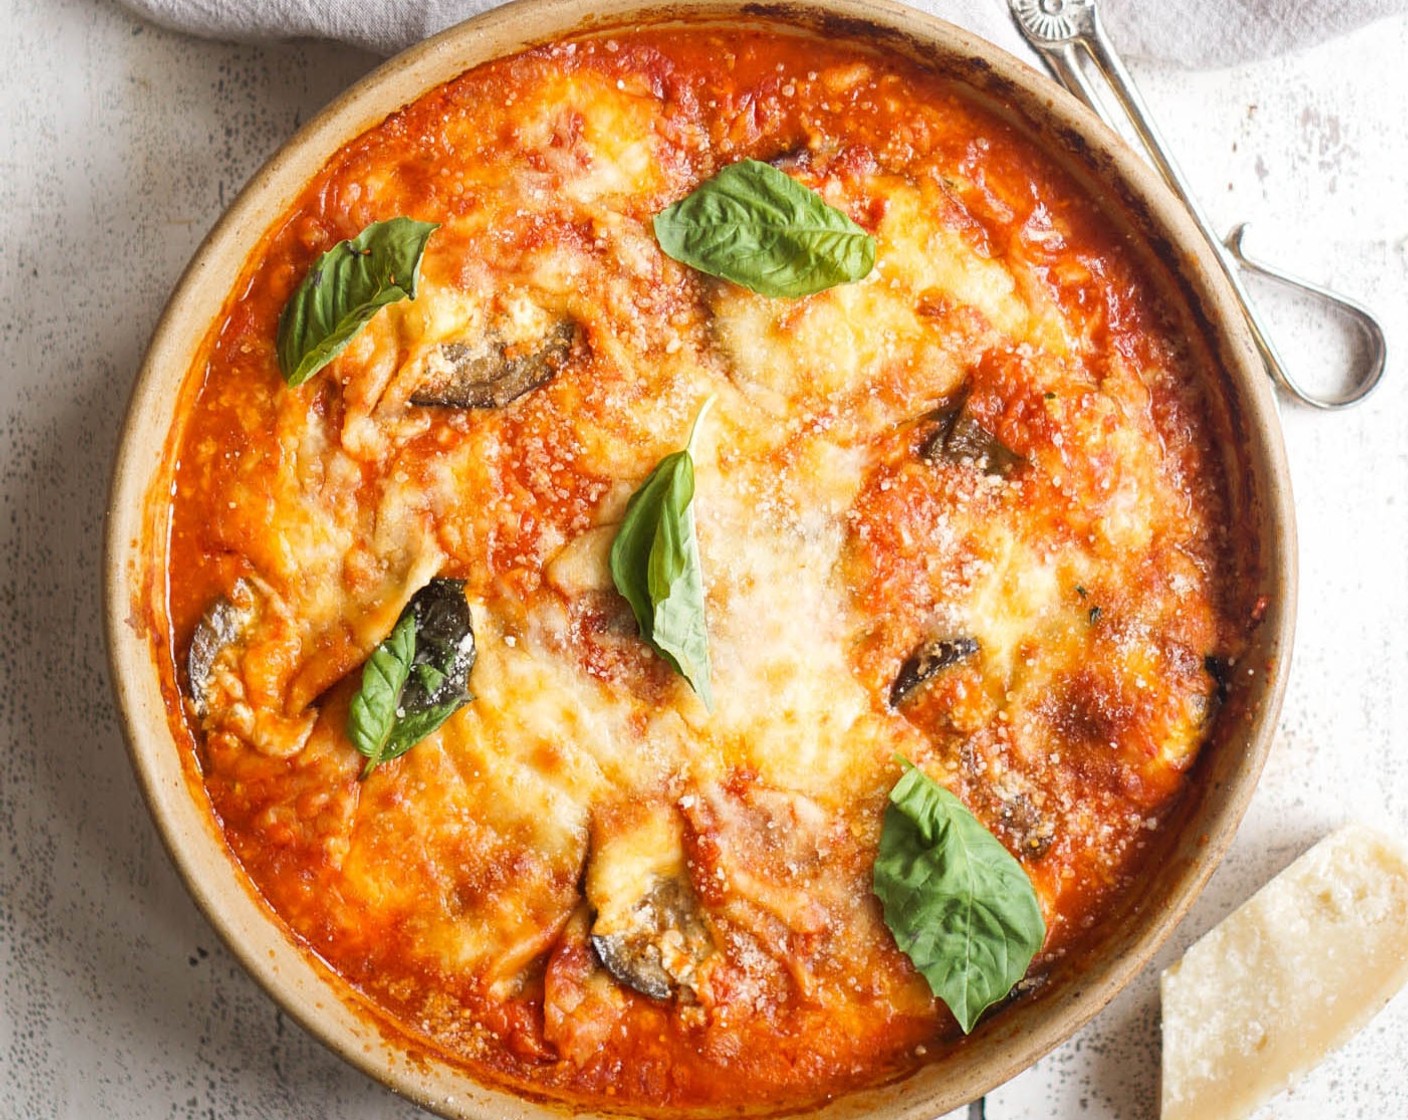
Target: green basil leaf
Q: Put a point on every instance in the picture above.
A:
(372, 715)
(655, 564)
(417, 678)
(759, 227)
(959, 905)
(438, 683)
(416, 725)
(346, 286)
(631, 548)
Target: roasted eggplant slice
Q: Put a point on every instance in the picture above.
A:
(648, 931)
(926, 661)
(663, 944)
(218, 628)
(492, 371)
(221, 694)
(959, 438)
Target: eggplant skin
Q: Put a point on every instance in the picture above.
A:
(492, 373)
(658, 946)
(928, 660)
(219, 627)
(633, 963)
(959, 438)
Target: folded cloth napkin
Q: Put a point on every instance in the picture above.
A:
(1185, 32)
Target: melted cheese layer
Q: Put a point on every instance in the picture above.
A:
(457, 887)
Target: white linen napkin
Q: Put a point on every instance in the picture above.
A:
(1186, 32)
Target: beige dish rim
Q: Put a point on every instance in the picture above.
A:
(305, 987)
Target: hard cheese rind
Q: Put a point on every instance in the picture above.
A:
(1286, 978)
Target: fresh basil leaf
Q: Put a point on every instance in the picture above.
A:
(635, 539)
(346, 286)
(959, 905)
(417, 678)
(416, 725)
(655, 564)
(372, 715)
(759, 227)
(438, 684)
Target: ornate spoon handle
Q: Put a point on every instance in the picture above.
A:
(1061, 30)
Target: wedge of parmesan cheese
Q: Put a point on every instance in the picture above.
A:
(1286, 978)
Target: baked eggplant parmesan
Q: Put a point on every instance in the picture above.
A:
(700, 560)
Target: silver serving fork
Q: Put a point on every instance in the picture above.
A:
(1060, 30)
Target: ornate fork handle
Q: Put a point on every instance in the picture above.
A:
(1061, 30)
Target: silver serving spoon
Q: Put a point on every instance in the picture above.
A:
(1060, 30)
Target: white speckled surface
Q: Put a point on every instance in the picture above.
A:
(120, 144)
